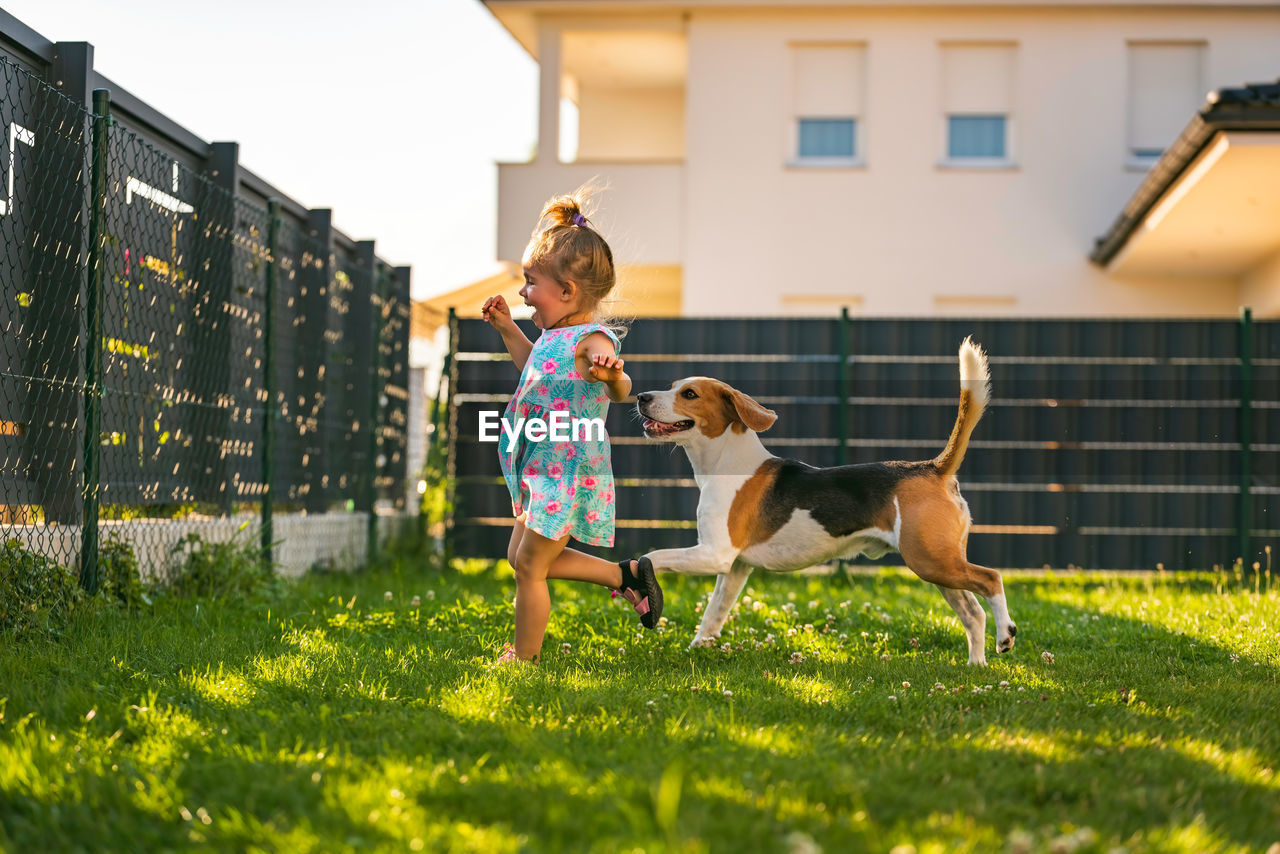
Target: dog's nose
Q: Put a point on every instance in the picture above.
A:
(644, 397)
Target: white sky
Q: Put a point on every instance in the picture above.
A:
(391, 112)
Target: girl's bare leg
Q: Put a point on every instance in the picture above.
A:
(580, 566)
(573, 565)
(534, 557)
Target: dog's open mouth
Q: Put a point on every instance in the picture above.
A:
(662, 428)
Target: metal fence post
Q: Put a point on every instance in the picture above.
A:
(93, 344)
(270, 410)
(842, 402)
(377, 299)
(842, 378)
(1246, 435)
(317, 281)
(212, 334)
(450, 460)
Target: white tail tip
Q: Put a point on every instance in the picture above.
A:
(974, 374)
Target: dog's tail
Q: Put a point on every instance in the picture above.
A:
(975, 390)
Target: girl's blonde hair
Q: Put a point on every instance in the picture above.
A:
(567, 247)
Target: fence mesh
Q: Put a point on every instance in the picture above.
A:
(134, 292)
(42, 387)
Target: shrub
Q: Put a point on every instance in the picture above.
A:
(219, 570)
(119, 575)
(36, 592)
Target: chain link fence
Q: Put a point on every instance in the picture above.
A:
(178, 356)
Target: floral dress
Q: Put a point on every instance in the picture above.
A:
(566, 486)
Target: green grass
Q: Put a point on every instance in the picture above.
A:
(330, 719)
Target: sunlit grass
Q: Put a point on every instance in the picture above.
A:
(1138, 712)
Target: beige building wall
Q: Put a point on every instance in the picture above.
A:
(616, 123)
(1260, 289)
(903, 235)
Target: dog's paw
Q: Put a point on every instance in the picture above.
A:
(1006, 644)
(702, 642)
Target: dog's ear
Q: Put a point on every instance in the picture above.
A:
(749, 413)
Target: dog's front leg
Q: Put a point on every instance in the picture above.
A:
(728, 589)
(696, 560)
(706, 633)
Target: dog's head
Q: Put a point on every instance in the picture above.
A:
(698, 409)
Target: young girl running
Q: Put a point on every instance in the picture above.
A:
(563, 488)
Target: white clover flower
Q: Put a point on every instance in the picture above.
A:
(906, 684)
(387, 596)
(892, 697)
(796, 658)
(416, 601)
(728, 693)
(1004, 683)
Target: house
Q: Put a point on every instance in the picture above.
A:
(1028, 158)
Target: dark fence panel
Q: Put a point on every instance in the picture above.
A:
(1108, 443)
(179, 277)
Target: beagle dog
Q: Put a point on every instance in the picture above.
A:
(759, 510)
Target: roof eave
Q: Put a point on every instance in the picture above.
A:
(1225, 110)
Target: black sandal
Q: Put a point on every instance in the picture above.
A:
(641, 590)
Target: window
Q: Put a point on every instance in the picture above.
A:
(976, 136)
(1165, 90)
(827, 137)
(977, 103)
(826, 104)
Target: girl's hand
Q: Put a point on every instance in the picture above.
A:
(606, 368)
(496, 312)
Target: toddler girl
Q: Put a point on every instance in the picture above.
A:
(563, 488)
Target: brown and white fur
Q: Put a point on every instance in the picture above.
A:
(759, 510)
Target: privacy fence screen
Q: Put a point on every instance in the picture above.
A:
(1108, 444)
(176, 343)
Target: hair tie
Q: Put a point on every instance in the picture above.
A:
(579, 219)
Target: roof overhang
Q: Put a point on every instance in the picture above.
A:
(1219, 218)
(1210, 207)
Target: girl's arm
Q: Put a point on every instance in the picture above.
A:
(498, 315)
(602, 364)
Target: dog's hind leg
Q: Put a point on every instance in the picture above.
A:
(934, 535)
(727, 590)
(972, 617)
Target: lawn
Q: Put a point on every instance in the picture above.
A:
(1139, 712)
